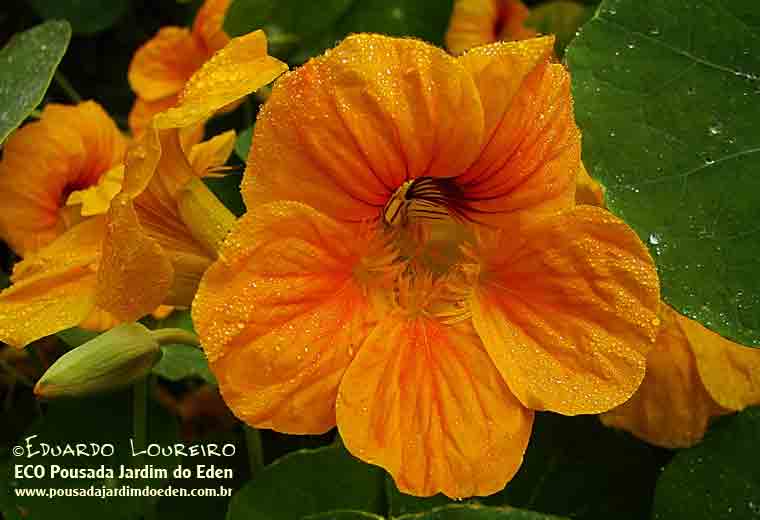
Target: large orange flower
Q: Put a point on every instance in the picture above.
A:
(48, 161)
(162, 66)
(479, 22)
(412, 267)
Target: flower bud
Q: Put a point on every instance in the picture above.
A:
(112, 360)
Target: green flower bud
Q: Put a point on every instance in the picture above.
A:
(113, 360)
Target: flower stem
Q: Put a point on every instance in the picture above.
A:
(255, 451)
(172, 336)
(67, 87)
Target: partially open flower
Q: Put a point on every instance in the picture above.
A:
(47, 165)
(412, 267)
(161, 67)
(479, 22)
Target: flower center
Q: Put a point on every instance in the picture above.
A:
(431, 198)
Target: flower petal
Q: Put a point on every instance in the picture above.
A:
(207, 156)
(479, 22)
(281, 314)
(671, 408)
(532, 148)
(424, 401)
(162, 66)
(588, 190)
(135, 274)
(568, 311)
(729, 371)
(68, 149)
(142, 112)
(242, 67)
(345, 130)
(53, 289)
(208, 24)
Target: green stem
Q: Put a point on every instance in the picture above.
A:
(36, 113)
(67, 87)
(140, 416)
(255, 451)
(174, 336)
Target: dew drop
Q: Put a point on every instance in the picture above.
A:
(654, 31)
(709, 161)
(612, 133)
(654, 239)
(715, 129)
(631, 45)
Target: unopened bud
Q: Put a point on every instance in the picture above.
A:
(113, 360)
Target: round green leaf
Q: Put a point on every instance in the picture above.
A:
(718, 479)
(666, 94)
(308, 482)
(179, 362)
(243, 143)
(85, 16)
(560, 18)
(27, 65)
(477, 512)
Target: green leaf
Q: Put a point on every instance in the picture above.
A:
(227, 190)
(477, 512)
(75, 336)
(179, 362)
(666, 94)
(300, 30)
(85, 16)
(102, 421)
(344, 515)
(561, 18)
(717, 479)
(307, 482)
(27, 65)
(243, 143)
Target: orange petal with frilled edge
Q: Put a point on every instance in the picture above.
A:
(479, 22)
(281, 314)
(208, 24)
(242, 67)
(206, 157)
(135, 274)
(54, 288)
(68, 149)
(345, 130)
(532, 153)
(729, 371)
(162, 66)
(424, 401)
(587, 190)
(568, 311)
(671, 408)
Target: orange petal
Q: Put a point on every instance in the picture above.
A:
(729, 371)
(99, 320)
(532, 148)
(671, 408)
(479, 22)
(135, 274)
(96, 199)
(568, 311)
(345, 130)
(242, 67)
(208, 24)
(143, 111)
(280, 315)
(68, 149)
(424, 401)
(587, 190)
(162, 66)
(208, 156)
(53, 289)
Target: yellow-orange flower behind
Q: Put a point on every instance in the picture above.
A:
(162, 66)
(480, 22)
(413, 268)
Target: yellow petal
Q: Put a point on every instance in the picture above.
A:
(96, 199)
(671, 408)
(53, 289)
(280, 315)
(135, 274)
(242, 67)
(345, 130)
(162, 66)
(207, 156)
(729, 371)
(424, 401)
(568, 311)
(588, 191)
(531, 155)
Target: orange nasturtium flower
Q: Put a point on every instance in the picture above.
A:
(162, 66)
(412, 267)
(693, 374)
(151, 243)
(480, 22)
